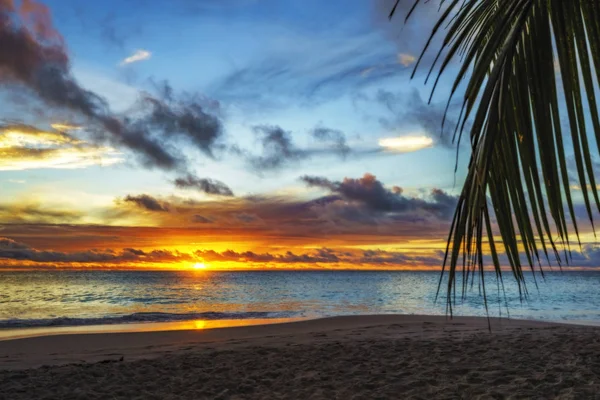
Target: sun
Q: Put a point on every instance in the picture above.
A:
(199, 266)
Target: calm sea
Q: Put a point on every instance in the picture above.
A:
(58, 298)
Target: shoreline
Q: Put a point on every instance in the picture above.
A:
(368, 356)
(136, 327)
(204, 324)
(80, 343)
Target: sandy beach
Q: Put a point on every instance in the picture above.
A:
(361, 357)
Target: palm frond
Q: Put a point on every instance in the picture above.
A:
(530, 70)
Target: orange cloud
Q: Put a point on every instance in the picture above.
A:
(25, 147)
(14, 253)
(352, 212)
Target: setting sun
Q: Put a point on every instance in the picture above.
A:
(199, 266)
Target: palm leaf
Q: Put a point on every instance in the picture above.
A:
(530, 71)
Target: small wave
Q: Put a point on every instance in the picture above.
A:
(139, 317)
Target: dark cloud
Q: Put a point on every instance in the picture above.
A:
(33, 55)
(587, 256)
(445, 202)
(382, 257)
(147, 202)
(204, 185)
(278, 149)
(334, 136)
(376, 258)
(246, 218)
(320, 182)
(371, 193)
(328, 220)
(199, 219)
(186, 117)
(13, 250)
(351, 208)
(322, 256)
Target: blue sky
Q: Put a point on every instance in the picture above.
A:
(297, 65)
(260, 119)
(234, 132)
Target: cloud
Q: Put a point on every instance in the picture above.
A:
(406, 144)
(406, 59)
(347, 212)
(199, 219)
(34, 55)
(246, 218)
(32, 212)
(278, 149)
(409, 112)
(138, 55)
(13, 250)
(345, 257)
(185, 117)
(334, 136)
(320, 256)
(411, 109)
(283, 225)
(371, 193)
(351, 208)
(204, 185)
(587, 256)
(26, 147)
(331, 217)
(16, 253)
(147, 202)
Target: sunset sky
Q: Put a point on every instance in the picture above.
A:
(236, 133)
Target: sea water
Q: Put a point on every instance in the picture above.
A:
(76, 298)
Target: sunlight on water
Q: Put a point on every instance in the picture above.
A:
(19, 333)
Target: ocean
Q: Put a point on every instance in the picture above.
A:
(77, 298)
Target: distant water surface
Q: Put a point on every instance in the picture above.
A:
(76, 298)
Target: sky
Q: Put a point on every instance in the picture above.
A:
(224, 133)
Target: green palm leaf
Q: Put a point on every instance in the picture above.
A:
(530, 70)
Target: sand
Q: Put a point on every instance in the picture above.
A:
(364, 357)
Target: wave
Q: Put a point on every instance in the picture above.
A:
(139, 317)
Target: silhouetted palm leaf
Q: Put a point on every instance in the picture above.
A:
(530, 66)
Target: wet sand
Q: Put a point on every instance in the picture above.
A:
(384, 356)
